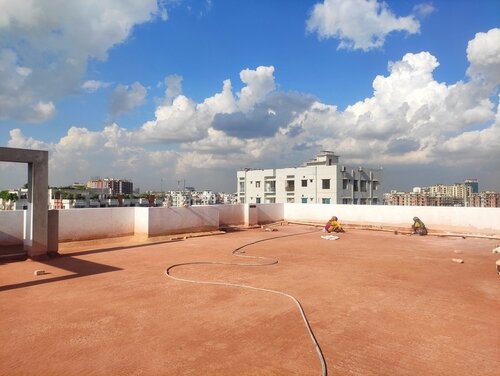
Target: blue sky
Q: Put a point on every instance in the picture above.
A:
(196, 90)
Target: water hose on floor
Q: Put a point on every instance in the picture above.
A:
(268, 261)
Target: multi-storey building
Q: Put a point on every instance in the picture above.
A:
(458, 194)
(485, 199)
(322, 180)
(117, 186)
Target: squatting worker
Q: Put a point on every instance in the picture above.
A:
(418, 227)
(333, 225)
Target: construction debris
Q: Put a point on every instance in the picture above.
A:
(39, 272)
(458, 261)
(268, 228)
(330, 237)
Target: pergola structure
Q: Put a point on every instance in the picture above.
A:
(36, 216)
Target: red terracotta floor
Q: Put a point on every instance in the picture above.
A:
(378, 304)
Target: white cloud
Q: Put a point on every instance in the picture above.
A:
(54, 40)
(174, 87)
(483, 53)
(410, 122)
(80, 153)
(180, 119)
(358, 24)
(259, 83)
(15, 98)
(93, 85)
(125, 99)
(423, 9)
(18, 140)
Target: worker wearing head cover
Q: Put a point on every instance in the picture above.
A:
(418, 226)
(333, 225)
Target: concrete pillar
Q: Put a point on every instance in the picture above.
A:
(251, 216)
(53, 232)
(36, 217)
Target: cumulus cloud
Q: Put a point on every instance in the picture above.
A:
(358, 24)
(78, 155)
(483, 53)
(45, 47)
(174, 87)
(16, 99)
(410, 121)
(125, 99)
(259, 83)
(266, 118)
(180, 118)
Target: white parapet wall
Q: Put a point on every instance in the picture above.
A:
(231, 215)
(141, 221)
(98, 223)
(11, 227)
(84, 224)
(268, 213)
(166, 221)
(484, 221)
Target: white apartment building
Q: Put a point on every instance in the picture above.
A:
(320, 181)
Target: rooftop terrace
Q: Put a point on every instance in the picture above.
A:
(378, 303)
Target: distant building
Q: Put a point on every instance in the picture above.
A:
(458, 194)
(322, 180)
(117, 186)
(485, 199)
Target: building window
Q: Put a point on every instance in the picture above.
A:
(304, 200)
(325, 183)
(374, 201)
(345, 183)
(270, 186)
(290, 186)
(375, 185)
(363, 185)
(362, 201)
(325, 200)
(257, 184)
(304, 182)
(242, 200)
(355, 185)
(290, 200)
(257, 200)
(242, 186)
(345, 201)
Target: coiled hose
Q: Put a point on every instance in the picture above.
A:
(270, 261)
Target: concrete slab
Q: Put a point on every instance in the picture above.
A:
(378, 303)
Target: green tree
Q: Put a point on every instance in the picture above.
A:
(8, 197)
